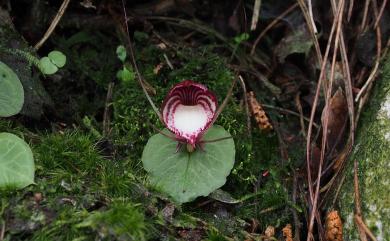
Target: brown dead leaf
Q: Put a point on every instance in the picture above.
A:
(269, 232)
(287, 232)
(338, 116)
(168, 211)
(333, 227)
(259, 113)
(315, 161)
(191, 234)
(158, 68)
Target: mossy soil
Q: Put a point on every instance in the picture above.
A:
(373, 154)
(92, 187)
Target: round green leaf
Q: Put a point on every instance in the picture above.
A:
(46, 66)
(16, 162)
(183, 175)
(121, 53)
(58, 58)
(127, 75)
(11, 92)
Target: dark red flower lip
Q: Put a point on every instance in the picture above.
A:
(188, 110)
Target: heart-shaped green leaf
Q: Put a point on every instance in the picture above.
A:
(121, 53)
(46, 66)
(11, 92)
(183, 175)
(57, 58)
(16, 162)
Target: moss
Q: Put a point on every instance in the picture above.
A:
(372, 153)
(92, 193)
(121, 221)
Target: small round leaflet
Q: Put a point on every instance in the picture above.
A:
(47, 66)
(11, 92)
(58, 58)
(16, 162)
(183, 175)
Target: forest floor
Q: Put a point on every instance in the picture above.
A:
(88, 132)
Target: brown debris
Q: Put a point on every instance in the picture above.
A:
(337, 119)
(259, 113)
(269, 233)
(158, 68)
(333, 227)
(287, 232)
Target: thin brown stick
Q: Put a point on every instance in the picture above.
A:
(2, 231)
(312, 31)
(357, 216)
(358, 209)
(359, 221)
(382, 9)
(351, 2)
(297, 223)
(248, 118)
(53, 24)
(256, 12)
(362, 227)
(347, 80)
(374, 71)
(301, 117)
(310, 7)
(338, 21)
(215, 140)
(364, 19)
(225, 101)
(287, 111)
(107, 110)
(271, 25)
(315, 102)
(134, 62)
(172, 137)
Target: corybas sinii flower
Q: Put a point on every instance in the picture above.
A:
(188, 110)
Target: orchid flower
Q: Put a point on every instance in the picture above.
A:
(188, 111)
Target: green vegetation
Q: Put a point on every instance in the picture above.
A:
(90, 187)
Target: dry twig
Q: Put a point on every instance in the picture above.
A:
(271, 25)
(378, 18)
(53, 24)
(107, 110)
(255, 16)
(362, 227)
(134, 62)
(287, 232)
(314, 196)
(248, 120)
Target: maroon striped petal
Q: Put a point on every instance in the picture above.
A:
(188, 110)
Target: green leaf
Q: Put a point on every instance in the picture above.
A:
(16, 162)
(46, 66)
(183, 175)
(57, 58)
(297, 41)
(125, 75)
(11, 92)
(223, 196)
(240, 38)
(121, 53)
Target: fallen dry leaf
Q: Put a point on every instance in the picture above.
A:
(259, 113)
(269, 232)
(338, 116)
(333, 227)
(287, 232)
